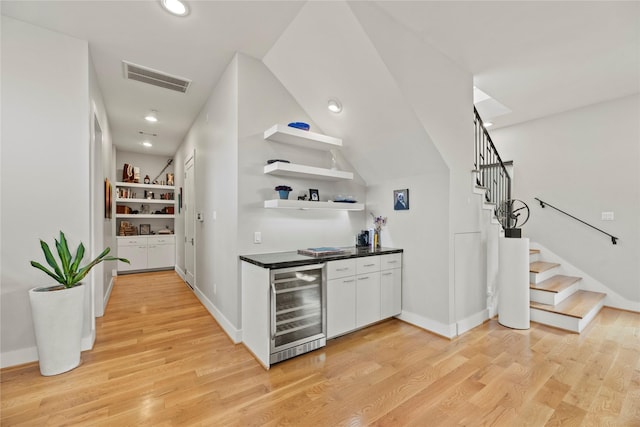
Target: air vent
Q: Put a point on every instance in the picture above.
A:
(155, 77)
(141, 132)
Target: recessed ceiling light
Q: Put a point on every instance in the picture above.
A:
(334, 106)
(147, 144)
(176, 7)
(152, 116)
(488, 124)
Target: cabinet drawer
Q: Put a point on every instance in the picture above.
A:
(161, 240)
(368, 264)
(390, 261)
(341, 268)
(132, 241)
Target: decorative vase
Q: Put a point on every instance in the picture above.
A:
(57, 321)
(284, 194)
(376, 240)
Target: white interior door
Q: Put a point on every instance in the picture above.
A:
(97, 218)
(190, 222)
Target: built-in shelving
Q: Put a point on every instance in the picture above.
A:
(303, 171)
(146, 216)
(145, 186)
(158, 201)
(301, 138)
(306, 204)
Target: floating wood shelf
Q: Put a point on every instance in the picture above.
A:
(301, 138)
(303, 171)
(305, 204)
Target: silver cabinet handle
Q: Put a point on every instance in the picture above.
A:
(273, 311)
(348, 281)
(363, 278)
(369, 265)
(392, 262)
(342, 269)
(387, 274)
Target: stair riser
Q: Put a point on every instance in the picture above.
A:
(552, 298)
(534, 257)
(542, 276)
(562, 321)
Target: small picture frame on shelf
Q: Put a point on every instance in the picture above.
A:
(145, 229)
(314, 195)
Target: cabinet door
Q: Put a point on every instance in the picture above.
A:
(390, 292)
(341, 306)
(367, 298)
(161, 255)
(137, 256)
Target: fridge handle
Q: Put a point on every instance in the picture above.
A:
(273, 311)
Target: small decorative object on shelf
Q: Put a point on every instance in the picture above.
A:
(127, 173)
(378, 223)
(145, 229)
(136, 174)
(300, 125)
(314, 195)
(283, 191)
(147, 180)
(169, 179)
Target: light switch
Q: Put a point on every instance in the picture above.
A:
(257, 237)
(607, 216)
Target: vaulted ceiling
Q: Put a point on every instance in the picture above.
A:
(534, 58)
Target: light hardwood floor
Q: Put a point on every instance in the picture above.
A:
(160, 360)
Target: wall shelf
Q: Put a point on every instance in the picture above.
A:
(146, 186)
(301, 138)
(159, 201)
(146, 216)
(305, 204)
(303, 171)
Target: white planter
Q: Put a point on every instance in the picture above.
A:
(57, 320)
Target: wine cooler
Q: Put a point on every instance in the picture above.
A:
(298, 311)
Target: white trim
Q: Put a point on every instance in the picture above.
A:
(19, 357)
(181, 273)
(225, 324)
(472, 321)
(447, 331)
(107, 296)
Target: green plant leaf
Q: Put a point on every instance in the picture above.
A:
(76, 261)
(51, 260)
(43, 268)
(102, 257)
(65, 257)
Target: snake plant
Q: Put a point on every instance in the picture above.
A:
(68, 272)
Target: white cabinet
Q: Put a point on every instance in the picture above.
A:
(146, 252)
(135, 250)
(361, 291)
(390, 285)
(367, 298)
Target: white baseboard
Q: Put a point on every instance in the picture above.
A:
(30, 354)
(182, 275)
(18, 357)
(107, 296)
(447, 331)
(472, 321)
(225, 324)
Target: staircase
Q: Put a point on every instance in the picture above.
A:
(556, 299)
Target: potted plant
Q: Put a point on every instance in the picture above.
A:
(283, 191)
(58, 310)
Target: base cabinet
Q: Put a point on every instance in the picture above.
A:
(146, 252)
(362, 291)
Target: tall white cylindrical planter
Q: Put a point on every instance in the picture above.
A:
(513, 283)
(57, 320)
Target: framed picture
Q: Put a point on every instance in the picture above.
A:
(314, 195)
(401, 200)
(145, 229)
(107, 199)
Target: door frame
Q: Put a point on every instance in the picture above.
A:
(190, 216)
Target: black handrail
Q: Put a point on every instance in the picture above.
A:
(490, 170)
(614, 239)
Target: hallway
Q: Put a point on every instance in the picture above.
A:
(160, 359)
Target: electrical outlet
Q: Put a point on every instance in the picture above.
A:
(257, 237)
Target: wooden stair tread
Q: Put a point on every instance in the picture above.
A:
(555, 284)
(577, 305)
(540, 266)
(534, 251)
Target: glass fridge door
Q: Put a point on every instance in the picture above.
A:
(297, 306)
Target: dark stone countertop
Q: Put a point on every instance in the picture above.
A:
(294, 259)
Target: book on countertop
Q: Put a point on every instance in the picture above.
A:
(321, 251)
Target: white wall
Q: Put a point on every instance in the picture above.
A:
(45, 168)
(585, 162)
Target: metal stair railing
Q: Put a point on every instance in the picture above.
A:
(491, 173)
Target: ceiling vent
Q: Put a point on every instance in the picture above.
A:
(155, 77)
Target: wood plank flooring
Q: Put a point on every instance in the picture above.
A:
(161, 360)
